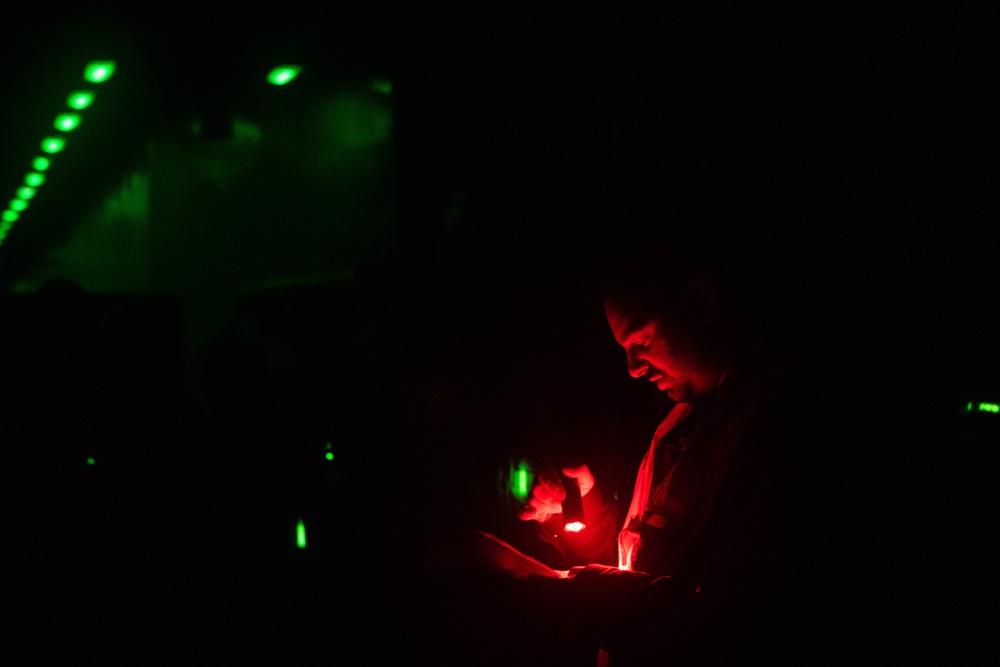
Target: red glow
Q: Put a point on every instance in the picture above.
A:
(574, 526)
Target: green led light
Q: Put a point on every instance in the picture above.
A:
(989, 407)
(520, 481)
(34, 179)
(300, 534)
(53, 144)
(40, 163)
(10, 216)
(80, 99)
(329, 456)
(383, 86)
(279, 76)
(18, 204)
(25, 192)
(90, 460)
(98, 71)
(66, 122)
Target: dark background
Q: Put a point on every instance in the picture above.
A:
(833, 165)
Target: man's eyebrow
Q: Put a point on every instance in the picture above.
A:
(632, 331)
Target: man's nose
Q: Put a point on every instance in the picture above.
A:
(636, 367)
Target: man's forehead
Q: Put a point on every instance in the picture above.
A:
(623, 325)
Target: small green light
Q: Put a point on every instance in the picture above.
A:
(53, 144)
(80, 99)
(520, 482)
(300, 534)
(34, 179)
(40, 163)
(329, 456)
(66, 122)
(10, 216)
(5, 227)
(383, 86)
(18, 204)
(279, 76)
(98, 71)
(90, 460)
(25, 192)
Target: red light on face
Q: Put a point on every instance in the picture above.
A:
(574, 527)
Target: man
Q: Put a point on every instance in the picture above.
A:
(699, 554)
(705, 524)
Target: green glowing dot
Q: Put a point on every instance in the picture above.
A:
(40, 163)
(80, 99)
(34, 179)
(329, 456)
(10, 216)
(5, 227)
(25, 192)
(66, 122)
(279, 76)
(98, 71)
(329, 445)
(90, 460)
(18, 204)
(53, 144)
(383, 86)
(300, 534)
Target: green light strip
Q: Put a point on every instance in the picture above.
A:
(96, 71)
(989, 407)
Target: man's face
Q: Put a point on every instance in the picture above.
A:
(662, 355)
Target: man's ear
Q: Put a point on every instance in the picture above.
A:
(703, 300)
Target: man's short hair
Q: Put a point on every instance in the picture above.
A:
(655, 283)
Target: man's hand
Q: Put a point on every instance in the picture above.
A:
(547, 494)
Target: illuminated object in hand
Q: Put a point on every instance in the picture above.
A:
(80, 99)
(300, 534)
(66, 122)
(53, 144)
(520, 481)
(99, 71)
(40, 163)
(34, 179)
(572, 506)
(279, 76)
